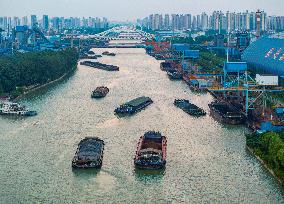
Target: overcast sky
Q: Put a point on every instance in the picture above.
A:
(132, 9)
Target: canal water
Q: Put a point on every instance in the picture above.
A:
(207, 161)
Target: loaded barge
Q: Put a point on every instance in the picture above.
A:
(226, 113)
(99, 65)
(100, 92)
(189, 108)
(134, 105)
(89, 153)
(151, 151)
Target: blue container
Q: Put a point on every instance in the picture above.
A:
(235, 66)
(191, 54)
(181, 47)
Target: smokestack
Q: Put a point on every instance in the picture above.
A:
(258, 19)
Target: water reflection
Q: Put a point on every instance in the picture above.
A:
(149, 175)
(85, 173)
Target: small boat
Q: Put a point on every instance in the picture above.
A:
(11, 108)
(151, 151)
(90, 52)
(174, 75)
(134, 105)
(189, 108)
(105, 53)
(100, 92)
(108, 53)
(226, 113)
(89, 153)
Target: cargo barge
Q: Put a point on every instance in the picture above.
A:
(189, 108)
(134, 105)
(99, 65)
(226, 114)
(151, 151)
(100, 92)
(89, 153)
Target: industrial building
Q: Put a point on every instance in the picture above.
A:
(266, 55)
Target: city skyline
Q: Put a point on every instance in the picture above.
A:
(130, 10)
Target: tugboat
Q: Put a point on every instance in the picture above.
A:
(100, 92)
(189, 108)
(89, 153)
(11, 108)
(174, 75)
(134, 105)
(226, 114)
(151, 151)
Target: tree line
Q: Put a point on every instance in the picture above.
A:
(34, 68)
(270, 148)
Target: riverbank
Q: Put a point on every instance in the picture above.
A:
(46, 84)
(268, 148)
(265, 165)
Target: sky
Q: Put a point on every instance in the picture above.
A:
(123, 10)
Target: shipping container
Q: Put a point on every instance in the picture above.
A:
(266, 80)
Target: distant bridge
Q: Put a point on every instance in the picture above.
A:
(123, 45)
(123, 33)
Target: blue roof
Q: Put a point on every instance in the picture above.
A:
(191, 53)
(235, 66)
(181, 47)
(266, 55)
(21, 28)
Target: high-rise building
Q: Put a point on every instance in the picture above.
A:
(204, 21)
(33, 20)
(175, 21)
(24, 21)
(187, 21)
(45, 22)
(252, 21)
(258, 23)
(194, 23)
(198, 22)
(16, 22)
(151, 22)
(55, 23)
(167, 22)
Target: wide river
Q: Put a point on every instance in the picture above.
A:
(207, 162)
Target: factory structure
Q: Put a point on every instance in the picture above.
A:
(266, 55)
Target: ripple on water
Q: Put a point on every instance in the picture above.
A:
(207, 162)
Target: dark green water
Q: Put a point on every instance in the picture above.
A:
(207, 162)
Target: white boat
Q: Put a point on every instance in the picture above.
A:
(11, 108)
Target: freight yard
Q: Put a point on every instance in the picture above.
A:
(240, 89)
